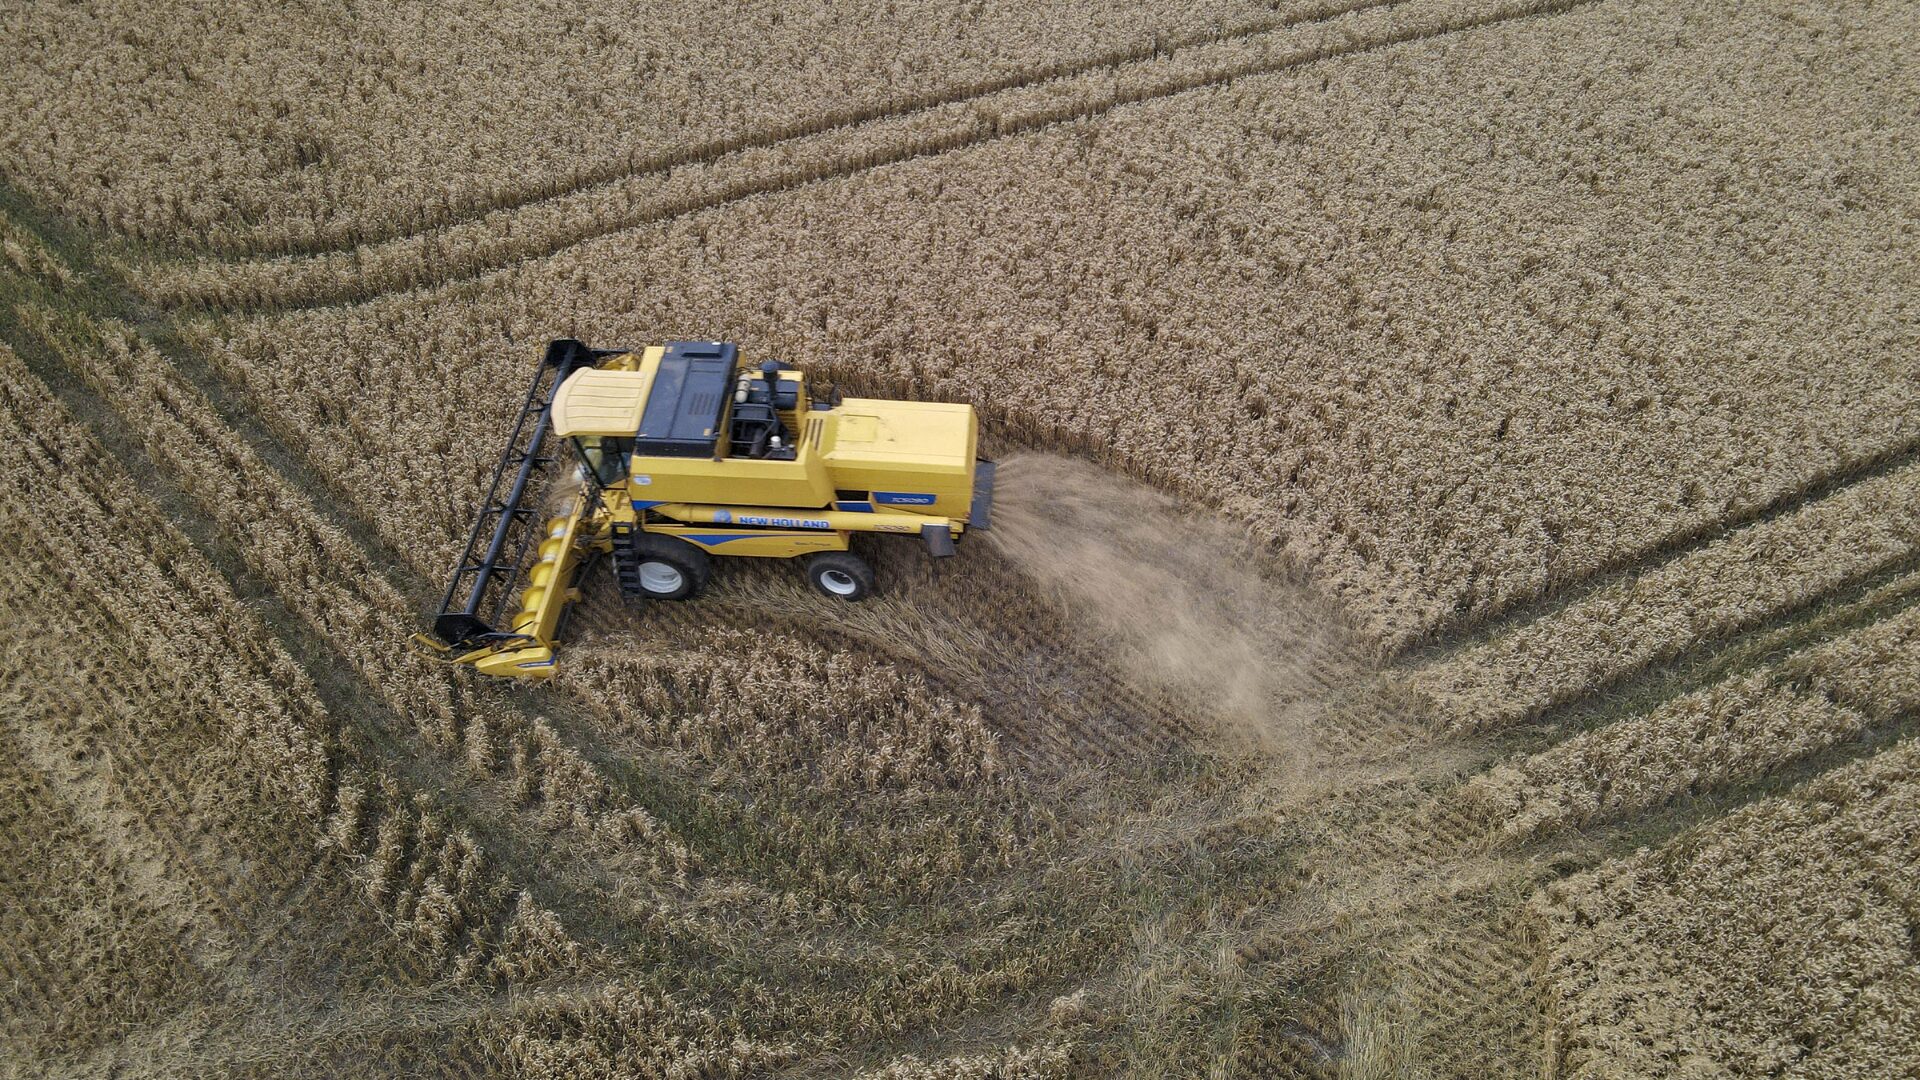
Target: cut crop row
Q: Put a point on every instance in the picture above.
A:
(346, 598)
(213, 736)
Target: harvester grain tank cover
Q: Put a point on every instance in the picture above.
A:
(687, 400)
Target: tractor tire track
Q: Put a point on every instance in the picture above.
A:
(1478, 626)
(420, 223)
(1847, 607)
(517, 849)
(1735, 589)
(1425, 895)
(469, 252)
(1442, 841)
(365, 720)
(98, 788)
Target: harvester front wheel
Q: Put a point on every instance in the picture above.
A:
(840, 574)
(665, 568)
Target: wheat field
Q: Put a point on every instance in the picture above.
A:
(1453, 609)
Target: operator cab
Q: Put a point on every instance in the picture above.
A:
(687, 400)
(605, 457)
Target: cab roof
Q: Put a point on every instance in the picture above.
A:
(671, 402)
(599, 402)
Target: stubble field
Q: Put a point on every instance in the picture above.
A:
(1452, 608)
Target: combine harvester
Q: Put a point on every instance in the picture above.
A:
(683, 454)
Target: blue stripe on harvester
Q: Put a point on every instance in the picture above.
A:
(862, 507)
(903, 498)
(721, 538)
(640, 505)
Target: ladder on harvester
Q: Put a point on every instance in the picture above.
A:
(505, 530)
(625, 567)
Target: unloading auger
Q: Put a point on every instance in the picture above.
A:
(683, 453)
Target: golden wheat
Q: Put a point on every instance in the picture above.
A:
(1443, 382)
(1032, 1063)
(1876, 669)
(625, 1032)
(518, 229)
(1776, 941)
(1740, 729)
(1735, 583)
(230, 128)
(347, 599)
(26, 254)
(82, 534)
(171, 648)
(87, 956)
(1593, 312)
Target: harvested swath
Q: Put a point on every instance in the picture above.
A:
(432, 884)
(234, 127)
(1431, 317)
(760, 704)
(424, 873)
(1740, 729)
(1015, 1063)
(1052, 686)
(1732, 584)
(144, 656)
(87, 956)
(621, 1032)
(191, 637)
(1775, 941)
(347, 600)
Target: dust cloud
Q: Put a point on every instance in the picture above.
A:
(1186, 603)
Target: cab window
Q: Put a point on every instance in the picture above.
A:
(605, 457)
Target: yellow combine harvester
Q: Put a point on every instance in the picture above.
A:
(683, 453)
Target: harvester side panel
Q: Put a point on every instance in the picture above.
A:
(914, 456)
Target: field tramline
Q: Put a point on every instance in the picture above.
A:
(1738, 730)
(1820, 882)
(345, 597)
(1750, 575)
(245, 674)
(227, 130)
(940, 125)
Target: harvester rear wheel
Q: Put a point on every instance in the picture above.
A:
(664, 568)
(840, 574)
